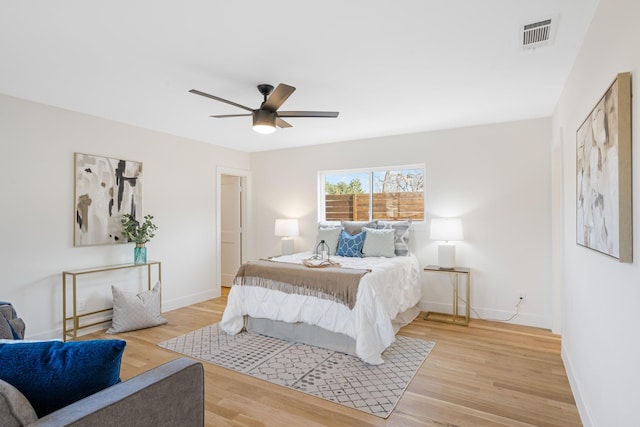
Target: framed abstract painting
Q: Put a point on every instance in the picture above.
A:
(603, 174)
(105, 190)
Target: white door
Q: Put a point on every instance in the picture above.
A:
(230, 227)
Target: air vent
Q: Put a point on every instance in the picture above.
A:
(537, 34)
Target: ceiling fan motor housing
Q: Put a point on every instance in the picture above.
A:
(264, 121)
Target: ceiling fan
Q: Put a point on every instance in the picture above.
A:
(267, 117)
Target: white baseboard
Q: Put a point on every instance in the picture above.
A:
(166, 306)
(585, 417)
(523, 318)
(184, 301)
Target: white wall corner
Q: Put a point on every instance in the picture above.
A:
(583, 411)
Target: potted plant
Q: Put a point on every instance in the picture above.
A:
(139, 234)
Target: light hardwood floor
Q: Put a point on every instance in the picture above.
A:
(486, 374)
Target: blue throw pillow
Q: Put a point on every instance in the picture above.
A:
(53, 374)
(349, 245)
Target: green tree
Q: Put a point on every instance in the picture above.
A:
(354, 187)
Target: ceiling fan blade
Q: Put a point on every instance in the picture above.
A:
(281, 123)
(330, 114)
(206, 95)
(222, 116)
(278, 96)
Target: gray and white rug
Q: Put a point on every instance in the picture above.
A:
(327, 374)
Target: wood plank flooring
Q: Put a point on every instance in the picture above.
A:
(486, 374)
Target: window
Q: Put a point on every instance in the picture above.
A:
(388, 194)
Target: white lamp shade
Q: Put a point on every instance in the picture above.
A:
(286, 227)
(446, 229)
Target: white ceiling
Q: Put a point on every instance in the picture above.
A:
(388, 67)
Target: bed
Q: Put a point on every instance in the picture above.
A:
(386, 298)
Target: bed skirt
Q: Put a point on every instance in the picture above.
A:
(315, 335)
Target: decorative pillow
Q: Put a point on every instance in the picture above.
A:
(6, 331)
(53, 374)
(13, 328)
(7, 310)
(378, 242)
(135, 311)
(17, 328)
(328, 224)
(355, 227)
(331, 236)
(401, 230)
(15, 409)
(350, 246)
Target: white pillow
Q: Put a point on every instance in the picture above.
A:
(331, 236)
(135, 311)
(378, 242)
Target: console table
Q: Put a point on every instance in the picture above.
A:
(455, 317)
(71, 324)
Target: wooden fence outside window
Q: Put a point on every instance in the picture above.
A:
(386, 206)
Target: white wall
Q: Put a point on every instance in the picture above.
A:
(37, 143)
(496, 178)
(600, 312)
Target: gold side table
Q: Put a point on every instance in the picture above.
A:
(455, 318)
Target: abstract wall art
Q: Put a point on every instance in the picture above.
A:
(603, 174)
(105, 189)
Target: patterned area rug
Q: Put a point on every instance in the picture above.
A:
(327, 374)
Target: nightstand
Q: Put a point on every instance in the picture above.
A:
(455, 274)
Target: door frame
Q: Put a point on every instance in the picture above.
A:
(245, 179)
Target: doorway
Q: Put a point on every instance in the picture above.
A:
(232, 225)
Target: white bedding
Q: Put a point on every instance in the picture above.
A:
(392, 287)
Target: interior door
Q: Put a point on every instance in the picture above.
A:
(230, 227)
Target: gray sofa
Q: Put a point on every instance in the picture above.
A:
(168, 395)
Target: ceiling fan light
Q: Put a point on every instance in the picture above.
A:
(264, 121)
(264, 129)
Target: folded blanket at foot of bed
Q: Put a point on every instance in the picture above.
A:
(332, 283)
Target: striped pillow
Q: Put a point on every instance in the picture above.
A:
(401, 235)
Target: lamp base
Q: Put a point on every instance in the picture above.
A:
(287, 246)
(446, 257)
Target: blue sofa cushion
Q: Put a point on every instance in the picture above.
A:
(53, 374)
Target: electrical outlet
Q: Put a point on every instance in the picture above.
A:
(81, 304)
(522, 296)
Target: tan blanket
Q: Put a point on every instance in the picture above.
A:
(332, 283)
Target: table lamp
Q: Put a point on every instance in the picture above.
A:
(286, 228)
(446, 230)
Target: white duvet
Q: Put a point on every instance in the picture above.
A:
(391, 287)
